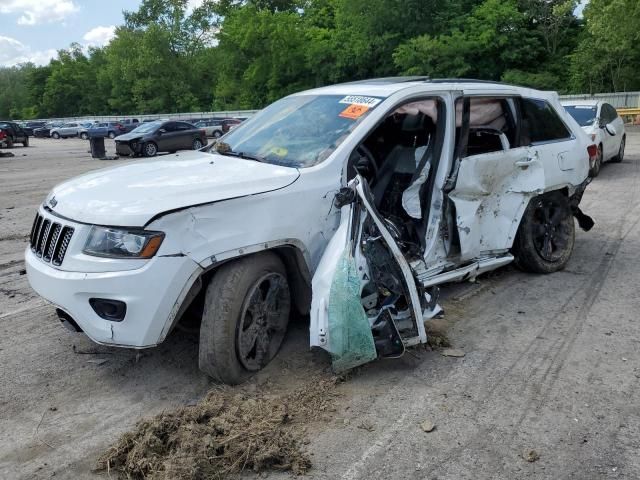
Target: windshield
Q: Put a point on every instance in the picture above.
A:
(585, 115)
(300, 131)
(147, 127)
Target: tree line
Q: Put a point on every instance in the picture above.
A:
(244, 54)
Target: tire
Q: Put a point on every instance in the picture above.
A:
(9, 141)
(227, 351)
(55, 135)
(595, 171)
(545, 238)
(111, 135)
(618, 158)
(84, 136)
(26, 142)
(217, 134)
(149, 149)
(197, 144)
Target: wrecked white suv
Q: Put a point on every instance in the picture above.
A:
(349, 203)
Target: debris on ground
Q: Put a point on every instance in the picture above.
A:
(427, 426)
(452, 352)
(6, 154)
(531, 456)
(369, 427)
(98, 361)
(227, 432)
(437, 333)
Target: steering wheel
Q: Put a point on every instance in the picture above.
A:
(362, 157)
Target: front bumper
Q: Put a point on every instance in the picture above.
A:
(153, 294)
(126, 148)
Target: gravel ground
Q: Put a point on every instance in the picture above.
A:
(552, 362)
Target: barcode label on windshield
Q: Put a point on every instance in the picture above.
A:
(369, 102)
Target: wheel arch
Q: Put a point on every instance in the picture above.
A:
(291, 255)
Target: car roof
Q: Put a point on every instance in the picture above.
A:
(387, 86)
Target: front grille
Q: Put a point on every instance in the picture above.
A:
(50, 240)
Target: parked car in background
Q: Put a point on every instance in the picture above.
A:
(12, 133)
(29, 127)
(228, 123)
(212, 128)
(153, 137)
(601, 122)
(104, 129)
(129, 124)
(45, 131)
(70, 129)
(349, 203)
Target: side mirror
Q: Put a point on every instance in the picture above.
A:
(611, 129)
(161, 131)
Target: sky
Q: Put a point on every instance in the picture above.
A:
(33, 30)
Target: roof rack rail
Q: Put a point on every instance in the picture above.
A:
(463, 80)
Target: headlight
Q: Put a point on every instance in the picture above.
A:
(115, 243)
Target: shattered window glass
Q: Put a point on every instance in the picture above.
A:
(301, 130)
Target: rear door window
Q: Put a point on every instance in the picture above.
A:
(541, 123)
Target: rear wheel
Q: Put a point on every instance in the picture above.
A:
(197, 144)
(595, 170)
(26, 142)
(112, 135)
(246, 312)
(546, 234)
(9, 141)
(55, 135)
(84, 135)
(150, 149)
(217, 134)
(618, 158)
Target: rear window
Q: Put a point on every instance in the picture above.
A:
(585, 115)
(541, 123)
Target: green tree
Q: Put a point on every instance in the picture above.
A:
(608, 54)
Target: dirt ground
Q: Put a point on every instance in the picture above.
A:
(552, 363)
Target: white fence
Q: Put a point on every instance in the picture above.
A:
(617, 100)
(160, 116)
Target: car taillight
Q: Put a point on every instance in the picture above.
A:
(2, 134)
(593, 151)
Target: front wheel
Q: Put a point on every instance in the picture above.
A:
(112, 135)
(546, 234)
(55, 135)
(26, 142)
(246, 313)
(618, 158)
(84, 136)
(150, 149)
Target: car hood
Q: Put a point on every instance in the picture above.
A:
(132, 136)
(131, 195)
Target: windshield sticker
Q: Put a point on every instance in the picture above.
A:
(354, 112)
(368, 102)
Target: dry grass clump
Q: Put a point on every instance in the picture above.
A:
(227, 432)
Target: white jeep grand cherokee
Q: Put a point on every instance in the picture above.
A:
(350, 203)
